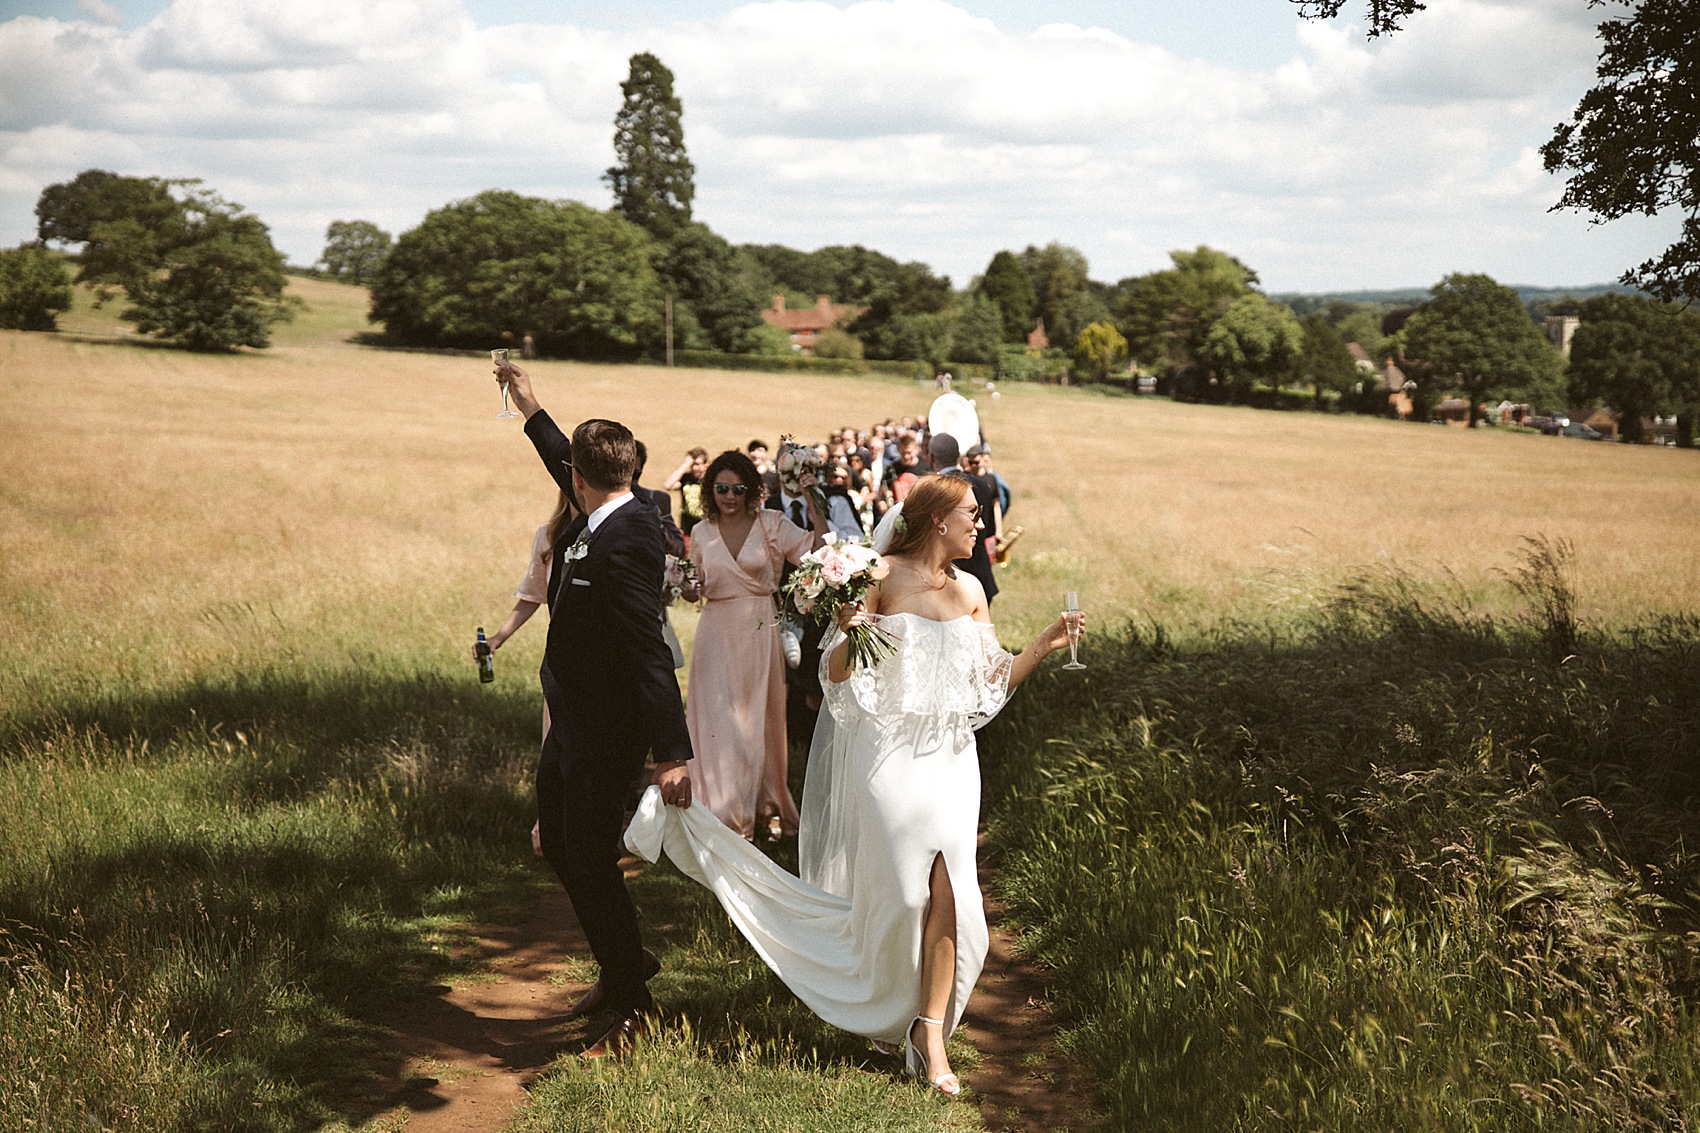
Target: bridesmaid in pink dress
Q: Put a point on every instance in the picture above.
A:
(735, 705)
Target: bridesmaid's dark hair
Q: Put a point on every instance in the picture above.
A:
(741, 466)
(932, 498)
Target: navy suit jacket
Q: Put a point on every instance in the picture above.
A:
(607, 671)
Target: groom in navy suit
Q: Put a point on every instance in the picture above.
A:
(613, 699)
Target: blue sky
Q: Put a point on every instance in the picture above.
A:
(932, 130)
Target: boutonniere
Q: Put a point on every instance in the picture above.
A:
(578, 550)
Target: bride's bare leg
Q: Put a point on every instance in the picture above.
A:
(938, 966)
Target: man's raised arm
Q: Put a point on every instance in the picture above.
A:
(552, 445)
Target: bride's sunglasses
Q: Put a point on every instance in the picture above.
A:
(731, 489)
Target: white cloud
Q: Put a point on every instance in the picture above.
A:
(101, 12)
(912, 126)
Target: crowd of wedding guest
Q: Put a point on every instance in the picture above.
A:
(743, 527)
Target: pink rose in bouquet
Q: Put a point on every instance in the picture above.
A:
(831, 577)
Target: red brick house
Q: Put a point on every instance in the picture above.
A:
(805, 324)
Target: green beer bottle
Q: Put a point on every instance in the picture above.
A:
(486, 661)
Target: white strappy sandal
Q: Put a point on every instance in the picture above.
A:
(915, 1063)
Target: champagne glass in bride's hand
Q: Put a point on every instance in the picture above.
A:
(1071, 605)
(500, 358)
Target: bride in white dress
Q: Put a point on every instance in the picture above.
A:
(884, 934)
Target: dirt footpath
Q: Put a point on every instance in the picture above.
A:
(468, 1054)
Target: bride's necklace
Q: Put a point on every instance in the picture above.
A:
(926, 577)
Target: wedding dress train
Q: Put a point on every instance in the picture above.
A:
(893, 784)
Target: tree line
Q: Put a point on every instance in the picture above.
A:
(613, 284)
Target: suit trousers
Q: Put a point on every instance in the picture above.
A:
(581, 807)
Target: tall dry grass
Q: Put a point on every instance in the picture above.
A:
(239, 593)
(166, 511)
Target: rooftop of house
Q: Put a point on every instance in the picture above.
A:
(825, 313)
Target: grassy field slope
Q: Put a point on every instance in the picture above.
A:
(253, 784)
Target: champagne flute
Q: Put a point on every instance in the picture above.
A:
(500, 358)
(1071, 604)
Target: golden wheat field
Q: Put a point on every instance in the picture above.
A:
(163, 512)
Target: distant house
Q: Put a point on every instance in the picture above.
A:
(1601, 420)
(1393, 381)
(806, 323)
(1037, 340)
(1453, 411)
(1361, 358)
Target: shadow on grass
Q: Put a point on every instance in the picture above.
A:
(1391, 824)
(251, 868)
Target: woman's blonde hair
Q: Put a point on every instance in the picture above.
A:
(928, 502)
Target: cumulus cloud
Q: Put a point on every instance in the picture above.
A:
(912, 126)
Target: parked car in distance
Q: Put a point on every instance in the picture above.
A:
(1586, 432)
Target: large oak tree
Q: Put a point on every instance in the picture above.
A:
(1476, 336)
(197, 270)
(494, 267)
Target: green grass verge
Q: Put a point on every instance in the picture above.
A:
(1390, 865)
(206, 892)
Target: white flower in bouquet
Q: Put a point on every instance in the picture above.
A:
(831, 577)
(793, 462)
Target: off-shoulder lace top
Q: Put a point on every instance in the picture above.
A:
(953, 670)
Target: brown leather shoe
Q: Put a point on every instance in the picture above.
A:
(618, 1040)
(591, 1001)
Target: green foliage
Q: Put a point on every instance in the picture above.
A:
(701, 270)
(1476, 334)
(1061, 290)
(976, 330)
(34, 287)
(790, 361)
(1100, 351)
(771, 341)
(354, 250)
(1255, 339)
(1386, 865)
(835, 343)
(851, 274)
(1007, 284)
(901, 299)
(580, 281)
(903, 337)
(208, 890)
(67, 213)
(1638, 356)
(1167, 316)
(652, 183)
(1324, 363)
(205, 276)
(1017, 364)
(1630, 142)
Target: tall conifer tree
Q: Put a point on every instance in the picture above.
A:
(652, 182)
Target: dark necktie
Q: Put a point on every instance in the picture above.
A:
(797, 513)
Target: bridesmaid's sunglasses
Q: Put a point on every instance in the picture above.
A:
(733, 489)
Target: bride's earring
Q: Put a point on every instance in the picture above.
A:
(943, 530)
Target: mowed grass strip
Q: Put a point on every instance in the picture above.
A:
(254, 782)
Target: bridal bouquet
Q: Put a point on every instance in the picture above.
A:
(681, 572)
(794, 460)
(831, 577)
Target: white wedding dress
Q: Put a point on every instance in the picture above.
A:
(893, 781)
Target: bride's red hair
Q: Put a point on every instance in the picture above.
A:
(928, 502)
